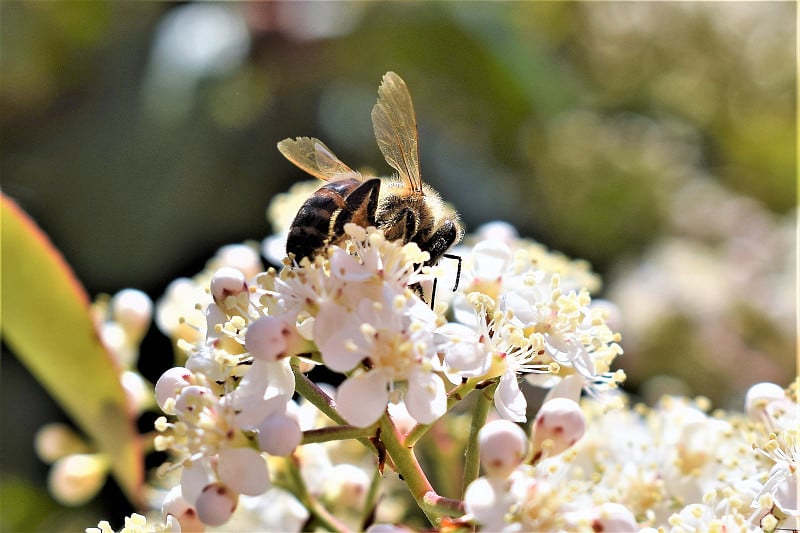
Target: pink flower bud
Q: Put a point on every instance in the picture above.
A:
(559, 424)
(176, 505)
(243, 470)
(503, 445)
(269, 337)
(227, 281)
(216, 503)
(170, 384)
(279, 434)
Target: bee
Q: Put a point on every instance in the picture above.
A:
(404, 207)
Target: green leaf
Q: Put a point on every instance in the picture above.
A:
(46, 322)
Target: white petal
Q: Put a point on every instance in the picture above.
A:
(463, 311)
(426, 398)
(469, 359)
(333, 336)
(570, 387)
(281, 379)
(491, 259)
(362, 399)
(509, 400)
(348, 268)
(194, 478)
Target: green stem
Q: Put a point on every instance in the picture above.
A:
(479, 414)
(453, 397)
(371, 501)
(406, 465)
(311, 392)
(328, 434)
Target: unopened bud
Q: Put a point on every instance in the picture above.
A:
(227, 282)
(503, 445)
(216, 503)
(559, 424)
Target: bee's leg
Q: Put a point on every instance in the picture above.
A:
(439, 242)
(458, 270)
(401, 227)
(363, 201)
(360, 207)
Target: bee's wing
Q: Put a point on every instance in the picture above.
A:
(315, 158)
(395, 127)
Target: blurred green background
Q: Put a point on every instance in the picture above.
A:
(656, 140)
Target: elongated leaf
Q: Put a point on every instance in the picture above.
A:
(46, 322)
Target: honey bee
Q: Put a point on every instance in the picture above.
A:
(404, 207)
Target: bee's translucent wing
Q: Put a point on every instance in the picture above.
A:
(315, 158)
(395, 126)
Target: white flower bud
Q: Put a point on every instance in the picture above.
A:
(347, 485)
(503, 445)
(133, 310)
(75, 479)
(559, 424)
(269, 337)
(195, 400)
(615, 517)
(137, 390)
(227, 281)
(176, 506)
(170, 384)
(241, 257)
(279, 434)
(216, 503)
(243, 470)
(759, 396)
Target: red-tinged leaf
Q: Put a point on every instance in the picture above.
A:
(47, 323)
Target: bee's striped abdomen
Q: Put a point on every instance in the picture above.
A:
(311, 226)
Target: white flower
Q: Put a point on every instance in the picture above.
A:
(489, 349)
(395, 337)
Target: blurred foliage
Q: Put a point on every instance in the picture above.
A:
(141, 136)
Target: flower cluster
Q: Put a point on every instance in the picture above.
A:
(522, 311)
(362, 310)
(406, 343)
(672, 467)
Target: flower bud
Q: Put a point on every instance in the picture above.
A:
(759, 396)
(243, 470)
(241, 257)
(559, 424)
(175, 505)
(133, 310)
(216, 503)
(227, 281)
(347, 486)
(169, 385)
(75, 479)
(269, 337)
(503, 445)
(614, 517)
(279, 434)
(192, 400)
